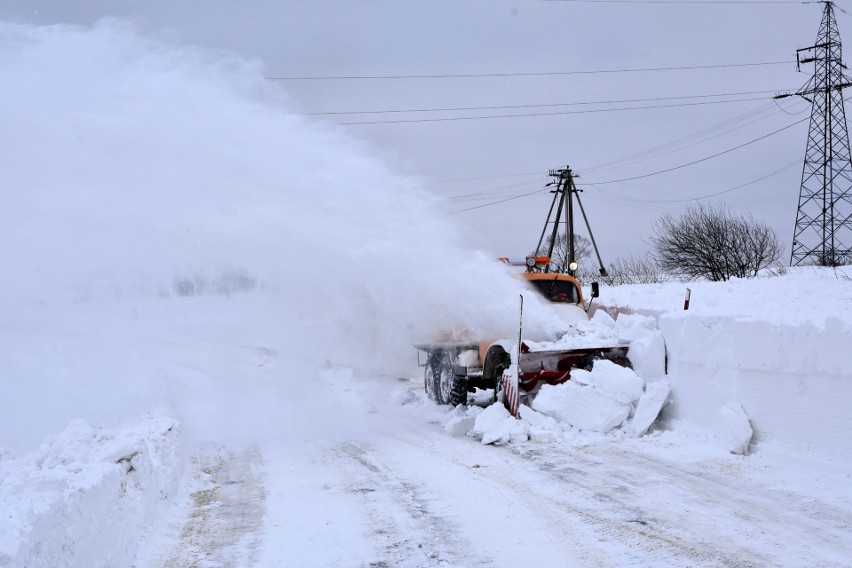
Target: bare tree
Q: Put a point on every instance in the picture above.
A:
(559, 258)
(710, 242)
(634, 270)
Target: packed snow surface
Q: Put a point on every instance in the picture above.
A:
(206, 344)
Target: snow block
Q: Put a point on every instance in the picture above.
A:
(619, 383)
(647, 354)
(653, 400)
(602, 318)
(732, 429)
(496, 426)
(463, 422)
(543, 428)
(581, 406)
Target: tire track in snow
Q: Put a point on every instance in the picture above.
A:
(594, 508)
(223, 528)
(505, 479)
(407, 532)
(711, 519)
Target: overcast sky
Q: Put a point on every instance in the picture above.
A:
(560, 64)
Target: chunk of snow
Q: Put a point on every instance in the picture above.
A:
(581, 406)
(732, 428)
(617, 382)
(646, 347)
(496, 426)
(462, 421)
(647, 354)
(602, 318)
(542, 428)
(652, 401)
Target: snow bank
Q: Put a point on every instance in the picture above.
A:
(778, 347)
(85, 487)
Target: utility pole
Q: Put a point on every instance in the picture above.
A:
(563, 199)
(823, 231)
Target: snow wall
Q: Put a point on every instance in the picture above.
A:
(792, 379)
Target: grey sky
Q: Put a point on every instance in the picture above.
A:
(371, 38)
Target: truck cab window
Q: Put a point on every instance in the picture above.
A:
(558, 291)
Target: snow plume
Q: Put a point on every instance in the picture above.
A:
(138, 168)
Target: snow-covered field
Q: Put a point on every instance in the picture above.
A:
(206, 356)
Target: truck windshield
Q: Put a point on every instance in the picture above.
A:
(562, 291)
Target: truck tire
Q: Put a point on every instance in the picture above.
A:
(496, 361)
(448, 388)
(429, 379)
(498, 384)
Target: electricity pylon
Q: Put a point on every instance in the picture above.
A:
(564, 195)
(823, 231)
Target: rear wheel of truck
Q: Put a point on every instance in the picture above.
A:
(429, 379)
(447, 387)
(496, 361)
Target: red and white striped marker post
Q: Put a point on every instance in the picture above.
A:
(686, 300)
(512, 399)
(510, 378)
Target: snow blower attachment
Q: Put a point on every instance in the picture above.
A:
(453, 369)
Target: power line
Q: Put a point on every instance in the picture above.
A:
(689, 140)
(543, 105)
(521, 74)
(487, 177)
(740, 120)
(658, 172)
(534, 114)
(709, 195)
(474, 195)
(729, 150)
(500, 201)
(696, 2)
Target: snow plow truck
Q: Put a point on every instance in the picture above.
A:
(455, 368)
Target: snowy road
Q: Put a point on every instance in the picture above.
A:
(383, 485)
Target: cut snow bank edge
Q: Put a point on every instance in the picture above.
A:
(85, 487)
(794, 383)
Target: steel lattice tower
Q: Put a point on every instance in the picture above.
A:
(823, 232)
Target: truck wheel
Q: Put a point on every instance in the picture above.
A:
(429, 379)
(448, 388)
(498, 384)
(496, 361)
